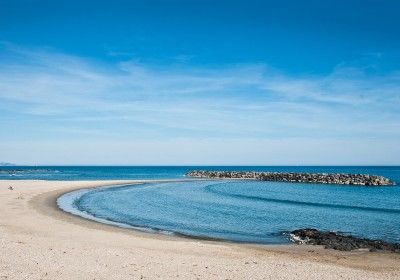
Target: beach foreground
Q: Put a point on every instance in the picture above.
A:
(39, 241)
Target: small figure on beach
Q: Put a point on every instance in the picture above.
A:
(10, 188)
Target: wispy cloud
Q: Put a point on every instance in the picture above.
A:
(63, 94)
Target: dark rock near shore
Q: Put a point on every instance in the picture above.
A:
(336, 241)
(321, 178)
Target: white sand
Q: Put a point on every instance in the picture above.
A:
(39, 241)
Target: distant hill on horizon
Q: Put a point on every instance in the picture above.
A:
(7, 164)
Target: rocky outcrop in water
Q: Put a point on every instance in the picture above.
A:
(336, 241)
(321, 178)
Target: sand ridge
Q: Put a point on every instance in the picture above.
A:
(39, 241)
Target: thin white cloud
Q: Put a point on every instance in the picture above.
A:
(217, 151)
(77, 94)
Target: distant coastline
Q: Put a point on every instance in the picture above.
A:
(7, 164)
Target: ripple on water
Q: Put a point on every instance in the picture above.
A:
(242, 211)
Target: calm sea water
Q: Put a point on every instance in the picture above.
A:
(168, 172)
(242, 211)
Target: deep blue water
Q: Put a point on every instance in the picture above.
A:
(168, 172)
(243, 211)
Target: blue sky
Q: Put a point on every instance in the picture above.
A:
(199, 82)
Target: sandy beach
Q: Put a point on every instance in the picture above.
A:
(39, 241)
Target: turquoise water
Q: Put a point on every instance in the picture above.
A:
(247, 211)
(168, 172)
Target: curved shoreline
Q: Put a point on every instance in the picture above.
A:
(156, 233)
(75, 246)
(67, 202)
(70, 209)
(49, 201)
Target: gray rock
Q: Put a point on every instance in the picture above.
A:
(321, 178)
(336, 241)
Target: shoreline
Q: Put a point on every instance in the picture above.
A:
(77, 213)
(65, 202)
(157, 254)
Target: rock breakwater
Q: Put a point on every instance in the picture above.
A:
(321, 178)
(336, 241)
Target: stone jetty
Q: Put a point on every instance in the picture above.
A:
(320, 178)
(341, 242)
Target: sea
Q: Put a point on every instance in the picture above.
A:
(231, 210)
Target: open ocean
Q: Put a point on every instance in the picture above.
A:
(241, 211)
